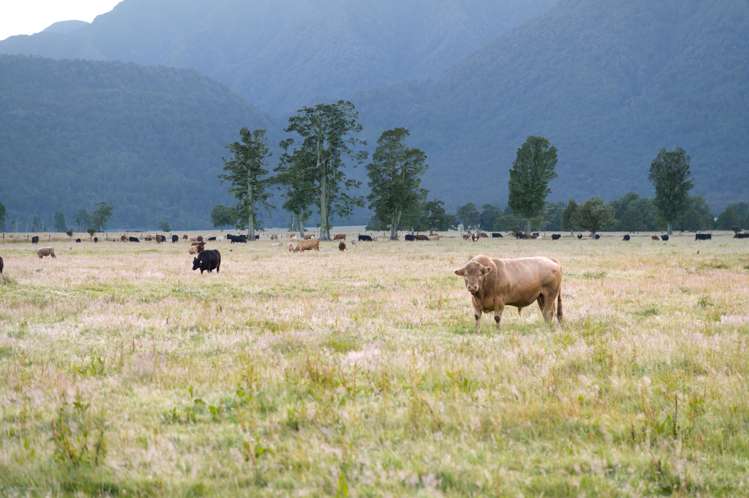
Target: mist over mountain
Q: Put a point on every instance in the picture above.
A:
(609, 83)
(149, 140)
(282, 54)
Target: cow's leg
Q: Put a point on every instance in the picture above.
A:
(547, 307)
(477, 311)
(499, 307)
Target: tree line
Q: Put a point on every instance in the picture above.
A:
(310, 177)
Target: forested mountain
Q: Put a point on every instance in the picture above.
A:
(149, 140)
(608, 82)
(282, 54)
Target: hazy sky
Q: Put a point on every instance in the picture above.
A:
(25, 17)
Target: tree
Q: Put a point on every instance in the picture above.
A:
(469, 215)
(436, 216)
(594, 215)
(488, 216)
(328, 136)
(60, 225)
(552, 219)
(224, 216)
(246, 173)
(734, 217)
(100, 216)
(82, 220)
(696, 216)
(569, 216)
(634, 214)
(671, 176)
(36, 224)
(2, 217)
(531, 172)
(395, 179)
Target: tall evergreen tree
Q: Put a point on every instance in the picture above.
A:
(533, 169)
(670, 174)
(60, 224)
(395, 179)
(246, 173)
(328, 136)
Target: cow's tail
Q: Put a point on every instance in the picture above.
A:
(560, 312)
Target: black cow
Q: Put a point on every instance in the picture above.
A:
(410, 237)
(211, 239)
(35, 239)
(597, 237)
(703, 236)
(77, 241)
(627, 238)
(497, 235)
(237, 239)
(96, 240)
(556, 236)
(1, 266)
(207, 261)
(665, 238)
(175, 239)
(69, 233)
(579, 236)
(133, 239)
(365, 238)
(741, 236)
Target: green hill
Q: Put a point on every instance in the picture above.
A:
(147, 139)
(608, 82)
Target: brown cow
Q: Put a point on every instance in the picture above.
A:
(496, 283)
(45, 251)
(197, 247)
(339, 236)
(308, 245)
(341, 246)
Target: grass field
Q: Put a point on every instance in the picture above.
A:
(122, 372)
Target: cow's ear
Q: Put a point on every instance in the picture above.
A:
(485, 270)
(461, 272)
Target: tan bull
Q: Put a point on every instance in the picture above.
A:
(495, 283)
(46, 251)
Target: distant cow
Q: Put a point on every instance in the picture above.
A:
(341, 246)
(497, 235)
(579, 236)
(309, 236)
(77, 241)
(535, 235)
(207, 261)
(703, 236)
(422, 238)
(308, 245)
(160, 238)
(133, 239)
(521, 235)
(274, 236)
(410, 237)
(496, 283)
(185, 237)
(96, 240)
(339, 236)
(123, 238)
(467, 236)
(197, 247)
(655, 237)
(69, 233)
(365, 238)
(175, 239)
(35, 239)
(741, 236)
(597, 237)
(148, 238)
(46, 251)
(211, 239)
(236, 239)
(665, 238)
(1, 265)
(556, 236)
(627, 238)
(483, 235)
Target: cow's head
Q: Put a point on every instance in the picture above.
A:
(473, 274)
(196, 263)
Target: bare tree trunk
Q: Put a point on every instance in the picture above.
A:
(395, 222)
(670, 229)
(250, 211)
(324, 214)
